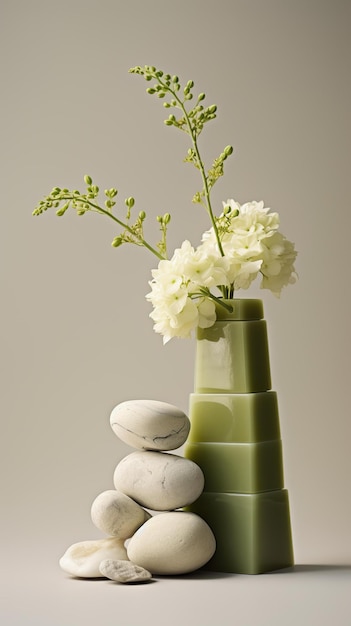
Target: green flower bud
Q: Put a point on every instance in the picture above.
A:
(111, 193)
(166, 218)
(142, 215)
(228, 150)
(150, 90)
(88, 180)
(117, 242)
(129, 202)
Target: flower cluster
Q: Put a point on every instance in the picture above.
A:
(180, 290)
(251, 244)
(243, 240)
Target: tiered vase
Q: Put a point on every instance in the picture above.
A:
(235, 439)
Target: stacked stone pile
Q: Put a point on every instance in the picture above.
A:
(147, 532)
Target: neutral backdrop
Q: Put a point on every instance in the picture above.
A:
(76, 338)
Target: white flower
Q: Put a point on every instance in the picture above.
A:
(180, 287)
(207, 313)
(251, 244)
(277, 269)
(177, 291)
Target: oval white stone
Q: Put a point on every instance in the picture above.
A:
(172, 543)
(124, 571)
(150, 424)
(116, 514)
(158, 480)
(83, 559)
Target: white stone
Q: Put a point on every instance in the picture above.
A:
(172, 543)
(124, 571)
(83, 559)
(158, 480)
(150, 424)
(116, 514)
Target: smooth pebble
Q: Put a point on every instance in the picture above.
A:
(150, 424)
(116, 514)
(172, 543)
(124, 571)
(83, 559)
(158, 480)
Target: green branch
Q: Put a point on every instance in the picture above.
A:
(192, 123)
(63, 199)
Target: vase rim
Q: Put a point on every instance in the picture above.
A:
(242, 309)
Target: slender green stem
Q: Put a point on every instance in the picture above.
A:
(99, 209)
(203, 291)
(199, 161)
(204, 179)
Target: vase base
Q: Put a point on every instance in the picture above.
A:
(252, 531)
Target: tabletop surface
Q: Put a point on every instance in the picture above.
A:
(305, 594)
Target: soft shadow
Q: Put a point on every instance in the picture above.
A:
(112, 582)
(131, 583)
(198, 575)
(209, 575)
(311, 568)
(321, 568)
(97, 579)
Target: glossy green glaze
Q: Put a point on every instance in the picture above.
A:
(239, 467)
(230, 418)
(235, 439)
(252, 531)
(232, 357)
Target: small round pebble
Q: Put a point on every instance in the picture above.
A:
(159, 481)
(83, 559)
(116, 514)
(124, 571)
(150, 424)
(172, 543)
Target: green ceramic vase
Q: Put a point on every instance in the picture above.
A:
(235, 439)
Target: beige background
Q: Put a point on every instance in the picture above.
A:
(75, 334)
